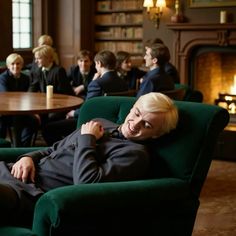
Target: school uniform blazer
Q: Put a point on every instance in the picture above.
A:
(9, 83)
(132, 76)
(155, 80)
(171, 70)
(76, 78)
(81, 159)
(109, 82)
(56, 76)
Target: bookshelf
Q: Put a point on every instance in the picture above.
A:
(119, 26)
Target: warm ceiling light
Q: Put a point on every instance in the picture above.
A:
(155, 11)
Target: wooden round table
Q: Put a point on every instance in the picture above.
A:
(21, 103)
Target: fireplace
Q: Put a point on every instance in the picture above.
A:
(205, 55)
(212, 70)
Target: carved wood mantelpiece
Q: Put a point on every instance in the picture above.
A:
(189, 36)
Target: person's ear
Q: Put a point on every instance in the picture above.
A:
(155, 60)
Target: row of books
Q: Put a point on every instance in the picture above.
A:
(120, 33)
(119, 5)
(131, 47)
(119, 18)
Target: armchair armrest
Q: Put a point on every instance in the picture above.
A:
(11, 154)
(71, 205)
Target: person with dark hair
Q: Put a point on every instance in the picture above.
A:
(170, 69)
(156, 79)
(81, 75)
(100, 151)
(127, 71)
(105, 80)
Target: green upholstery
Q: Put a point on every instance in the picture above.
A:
(4, 143)
(16, 231)
(164, 205)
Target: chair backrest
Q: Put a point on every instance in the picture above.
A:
(176, 94)
(128, 93)
(184, 153)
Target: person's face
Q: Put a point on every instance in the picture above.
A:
(98, 66)
(126, 65)
(149, 61)
(84, 64)
(15, 67)
(141, 125)
(42, 61)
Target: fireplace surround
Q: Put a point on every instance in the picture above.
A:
(188, 37)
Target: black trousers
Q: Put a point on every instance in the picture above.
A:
(22, 127)
(16, 210)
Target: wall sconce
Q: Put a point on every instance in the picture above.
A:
(154, 11)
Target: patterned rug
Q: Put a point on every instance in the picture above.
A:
(217, 212)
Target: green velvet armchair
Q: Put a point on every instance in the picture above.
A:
(164, 205)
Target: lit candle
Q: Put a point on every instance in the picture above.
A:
(223, 17)
(49, 91)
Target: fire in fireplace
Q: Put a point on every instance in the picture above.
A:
(214, 74)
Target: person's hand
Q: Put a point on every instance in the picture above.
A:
(96, 75)
(94, 128)
(70, 114)
(24, 169)
(79, 89)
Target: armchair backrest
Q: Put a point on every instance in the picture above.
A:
(184, 153)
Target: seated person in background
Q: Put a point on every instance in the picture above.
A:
(156, 79)
(126, 71)
(101, 151)
(81, 75)
(105, 80)
(170, 69)
(42, 40)
(24, 126)
(49, 74)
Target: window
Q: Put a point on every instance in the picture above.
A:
(22, 23)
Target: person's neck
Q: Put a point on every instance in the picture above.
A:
(47, 67)
(103, 71)
(154, 67)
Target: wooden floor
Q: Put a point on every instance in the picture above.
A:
(217, 213)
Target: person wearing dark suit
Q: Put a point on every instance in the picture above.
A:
(170, 69)
(105, 80)
(33, 68)
(23, 126)
(81, 75)
(127, 71)
(101, 151)
(49, 74)
(156, 79)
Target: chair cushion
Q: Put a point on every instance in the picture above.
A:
(15, 231)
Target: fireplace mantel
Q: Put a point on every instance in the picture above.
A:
(189, 36)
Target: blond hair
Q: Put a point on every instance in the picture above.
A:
(13, 57)
(45, 40)
(158, 102)
(44, 50)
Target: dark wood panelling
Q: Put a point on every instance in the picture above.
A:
(6, 29)
(73, 24)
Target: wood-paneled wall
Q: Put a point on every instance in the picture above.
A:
(71, 28)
